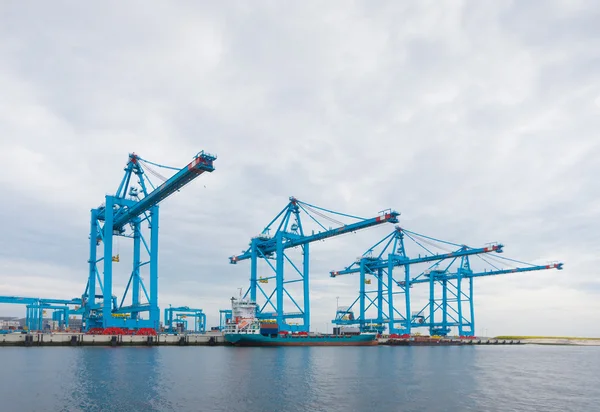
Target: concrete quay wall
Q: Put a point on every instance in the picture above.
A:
(80, 339)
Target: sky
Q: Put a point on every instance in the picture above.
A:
(477, 121)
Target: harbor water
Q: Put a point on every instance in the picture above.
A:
(465, 378)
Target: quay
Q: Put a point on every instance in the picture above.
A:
(427, 341)
(82, 339)
(34, 339)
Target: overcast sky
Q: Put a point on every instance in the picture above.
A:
(478, 121)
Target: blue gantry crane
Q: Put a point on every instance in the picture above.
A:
(35, 308)
(289, 233)
(225, 316)
(380, 267)
(444, 308)
(397, 317)
(36, 312)
(122, 214)
(179, 315)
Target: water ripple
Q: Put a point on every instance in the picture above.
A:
(482, 378)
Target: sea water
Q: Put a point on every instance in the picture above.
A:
(373, 379)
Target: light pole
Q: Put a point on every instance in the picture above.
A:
(337, 303)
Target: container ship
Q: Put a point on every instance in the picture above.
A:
(245, 329)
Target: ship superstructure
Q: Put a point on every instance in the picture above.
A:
(243, 317)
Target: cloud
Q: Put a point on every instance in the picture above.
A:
(475, 124)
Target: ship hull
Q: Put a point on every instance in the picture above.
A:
(261, 340)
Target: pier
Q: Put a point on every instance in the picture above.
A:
(189, 339)
(37, 339)
(82, 339)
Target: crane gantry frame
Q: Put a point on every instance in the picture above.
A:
(174, 315)
(131, 206)
(290, 233)
(35, 308)
(448, 306)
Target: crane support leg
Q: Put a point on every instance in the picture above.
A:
(108, 250)
(279, 279)
(253, 271)
(362, 295)
(91, 299)
(380, 295)
(154, 310)
(135, 291)
(471, 307)
(460, 301)
(444, 304)
(408, 315)
(390, 296)
(305, 279)
(431, 303)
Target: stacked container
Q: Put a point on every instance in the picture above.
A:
(269, 328)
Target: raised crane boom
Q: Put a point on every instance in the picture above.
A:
(269, 245)
(203, 162)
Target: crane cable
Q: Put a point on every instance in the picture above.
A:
(513, 260)
(501, 260)
(491, 264)
(152, 171)
(431, 238)
(331, 211)
(424, 239)
(324, 216)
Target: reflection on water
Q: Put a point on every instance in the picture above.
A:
(122, 378)
(524, 378)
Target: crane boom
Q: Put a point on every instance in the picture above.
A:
(293, 240)
(203, 162)
(30, 301)
(399, 260)
(558, 266)
(391, 217)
